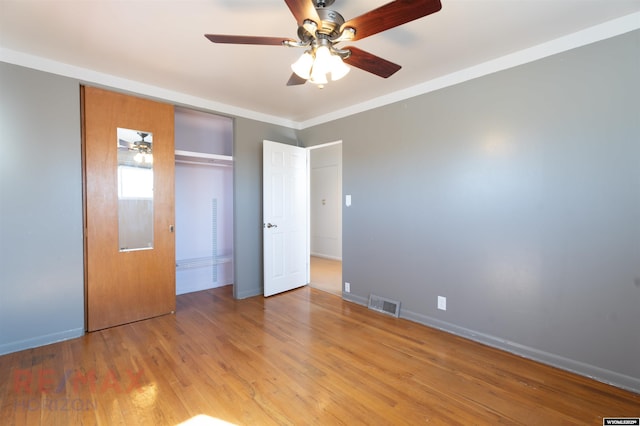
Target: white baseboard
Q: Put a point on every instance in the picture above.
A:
(596, 373)
(46, 339)
(326, 256)
(198, 286)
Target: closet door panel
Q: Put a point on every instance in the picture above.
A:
(127, 282)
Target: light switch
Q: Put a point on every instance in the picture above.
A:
(347, 200)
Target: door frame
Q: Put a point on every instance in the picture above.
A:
(309, 149)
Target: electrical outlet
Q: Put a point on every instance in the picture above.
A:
(442, 303)
(347, 287)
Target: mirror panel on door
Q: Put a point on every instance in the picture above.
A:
(135, 190)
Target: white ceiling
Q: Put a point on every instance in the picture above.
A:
(160, 43)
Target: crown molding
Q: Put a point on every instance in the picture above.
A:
(587, 36)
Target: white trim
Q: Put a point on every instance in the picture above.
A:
(596, 373)
(202, 158)
(590, 35)
(324, 145)
(42, 340)
(90, 77)
(202, 163)
(593, 372)
(309, 148)
(581, 38)
(179, 152)
(326, 256)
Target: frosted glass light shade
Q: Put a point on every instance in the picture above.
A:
(316, 66)
(318, 76)
(322, 64)
(338, 68)
(302, 67)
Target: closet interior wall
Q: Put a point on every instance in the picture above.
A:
(204, 200)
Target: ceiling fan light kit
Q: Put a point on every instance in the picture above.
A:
(321, 28)
(319, 62)
(142, 148)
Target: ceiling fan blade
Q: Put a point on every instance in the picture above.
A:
(241, 39)
(303, 9)
(391, 15)
(371, 63)
(295, 80)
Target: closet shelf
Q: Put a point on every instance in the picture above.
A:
(202, 262)
(190, 157)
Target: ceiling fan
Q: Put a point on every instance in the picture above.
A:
(141, 150)
(140, 146)
(320, 29)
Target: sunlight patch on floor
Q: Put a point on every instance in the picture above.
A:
(204, 420)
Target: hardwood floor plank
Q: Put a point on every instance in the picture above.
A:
(303, 357)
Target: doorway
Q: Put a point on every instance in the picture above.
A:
(325, 205)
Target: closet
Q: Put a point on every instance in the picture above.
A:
(203, 200)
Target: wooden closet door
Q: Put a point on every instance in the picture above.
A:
(126, 286)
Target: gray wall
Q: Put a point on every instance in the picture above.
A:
(41, 264)
(199, 131)
(41, 250)
(247, 198)
(517, 197)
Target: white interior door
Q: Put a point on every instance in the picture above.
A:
(285, 217)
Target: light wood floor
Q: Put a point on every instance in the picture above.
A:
(326, 275)
(304, 357)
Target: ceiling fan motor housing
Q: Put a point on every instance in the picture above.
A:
(324, 3)
(331, 22)
(329, 25)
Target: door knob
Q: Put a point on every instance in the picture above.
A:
(271, 225)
